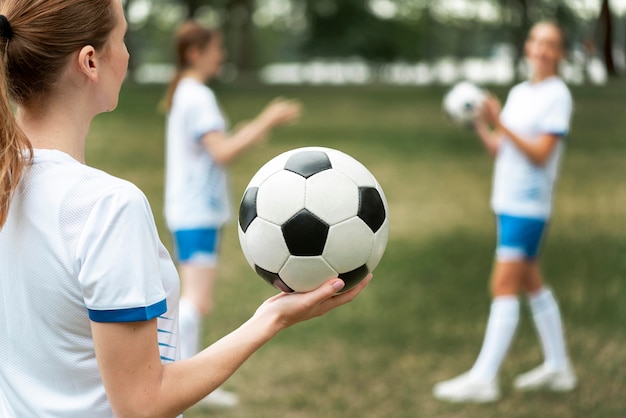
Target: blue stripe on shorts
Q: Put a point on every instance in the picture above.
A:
(519, 238)
(196, 245)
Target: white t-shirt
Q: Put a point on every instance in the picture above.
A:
(78, 244)
(196, 187)
(520, 187)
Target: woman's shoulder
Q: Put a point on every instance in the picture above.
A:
(87, 186)
(102, 185)
(189, 89)
(80, 191)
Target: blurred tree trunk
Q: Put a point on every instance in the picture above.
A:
(518, 20)
(604, 32)
(130, 44)
(240, 29)
(193, 6)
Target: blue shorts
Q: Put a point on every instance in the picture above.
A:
(519, 238)
(197, 246)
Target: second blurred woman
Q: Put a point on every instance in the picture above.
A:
(199, 147)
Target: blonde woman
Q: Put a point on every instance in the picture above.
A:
(527, 139)
(197, 199)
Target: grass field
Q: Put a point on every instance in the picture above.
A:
(423, 316)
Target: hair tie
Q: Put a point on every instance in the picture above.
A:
(5, 27)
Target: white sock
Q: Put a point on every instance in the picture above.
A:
(501, 326)
(549, 327)
(189, 324)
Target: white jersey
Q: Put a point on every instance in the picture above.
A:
(196, 187)
(79, 245)
(520, 187)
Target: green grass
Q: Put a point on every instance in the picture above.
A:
(423, 316)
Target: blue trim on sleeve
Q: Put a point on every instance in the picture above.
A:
(129, 315)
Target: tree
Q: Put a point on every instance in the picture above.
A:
(604, 33)
(349, 28)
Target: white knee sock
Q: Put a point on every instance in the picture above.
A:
(503, 320)
(549, 327)
(189, 324)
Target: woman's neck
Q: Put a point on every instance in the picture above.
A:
(55, 127)
(195, 75)
(539, 76)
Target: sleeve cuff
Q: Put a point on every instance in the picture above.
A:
(144, 313)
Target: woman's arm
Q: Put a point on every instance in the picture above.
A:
(490, 139)
(537, 151)
(138, 385)
(224, 147)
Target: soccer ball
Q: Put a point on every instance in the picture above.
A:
(463, 102)
(311, 214)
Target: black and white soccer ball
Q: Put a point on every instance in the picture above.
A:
(463, 102)
(311, 214)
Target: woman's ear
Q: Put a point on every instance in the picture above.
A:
(88, 63)
(192, 55)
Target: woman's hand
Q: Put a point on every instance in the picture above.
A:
(280, 111)
(491, 111)
(291, 308)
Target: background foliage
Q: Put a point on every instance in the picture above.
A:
(259, 32)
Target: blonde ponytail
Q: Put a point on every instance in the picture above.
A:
(15, 150)
(190, 35)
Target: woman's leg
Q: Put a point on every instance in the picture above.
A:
(196, 302)
(480, 383)
(556, 372)
(506, 281)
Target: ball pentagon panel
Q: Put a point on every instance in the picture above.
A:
(380, 243)
(247, 208)
(371, 207)
(354, 277)
(308, 162)
(273, 279)
(305, 234)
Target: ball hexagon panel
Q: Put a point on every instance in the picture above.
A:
(332, 196)
(371, 207)
(305, 234)
(351, 168)
(274, 165)
(244, 246)
(280, 197)
(265, 245)
(308, 162)
(349, 245)
(306, 273)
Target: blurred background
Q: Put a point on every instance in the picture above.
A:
(380, 41)
(371, 75)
